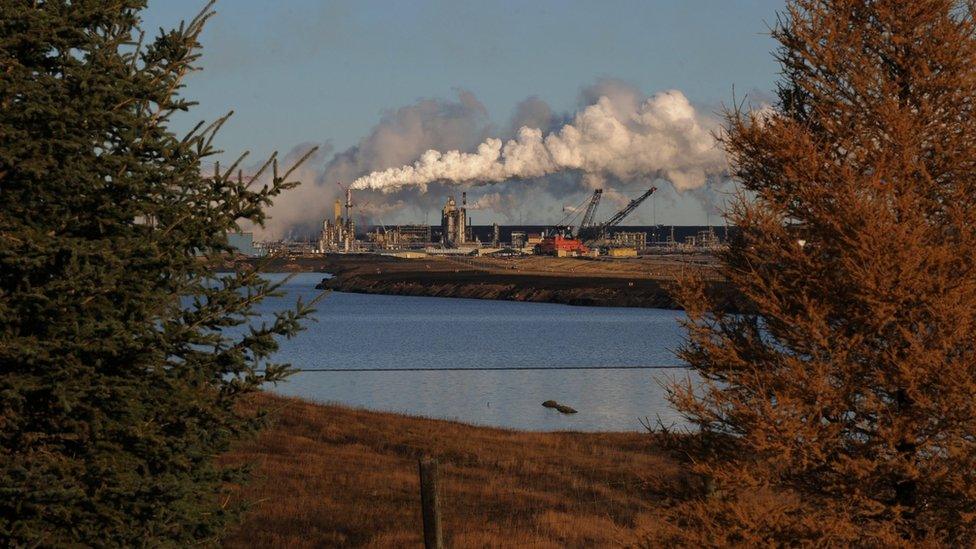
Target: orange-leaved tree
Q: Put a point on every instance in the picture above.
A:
(840, 406)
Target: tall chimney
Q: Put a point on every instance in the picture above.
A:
(464, 198)
(337, 211)
(348, 202)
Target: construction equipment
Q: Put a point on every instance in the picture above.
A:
(560, 245)
(560, 239)
(567, 225)
(590, 211)
(601, 232)
(564, 240)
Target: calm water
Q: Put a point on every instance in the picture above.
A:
(385, 332)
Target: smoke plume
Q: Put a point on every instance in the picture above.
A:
(617, 139)
(499, 203)
(400, 136)
(660, 137)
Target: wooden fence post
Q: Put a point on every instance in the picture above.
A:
(430, 504)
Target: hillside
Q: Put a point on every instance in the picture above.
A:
(328, 475)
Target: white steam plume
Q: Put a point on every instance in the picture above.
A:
(495, 202)
(663, 136)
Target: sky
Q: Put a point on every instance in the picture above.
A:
(305, 71)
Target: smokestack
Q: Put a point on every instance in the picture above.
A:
(464, 198)
(337, 211)
(348, 203)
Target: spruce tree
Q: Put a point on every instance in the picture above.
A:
(840, 407)
(120, 373)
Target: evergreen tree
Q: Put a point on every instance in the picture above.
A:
(119, 373)
(841, 407)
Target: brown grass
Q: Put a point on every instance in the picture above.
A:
(648, 267)
(333, 476)
(651, 267)
(655, 267)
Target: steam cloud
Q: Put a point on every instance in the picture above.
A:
(400, 136)
(622, 137)
(618, 139)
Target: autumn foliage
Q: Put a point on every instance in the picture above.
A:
(842, 408)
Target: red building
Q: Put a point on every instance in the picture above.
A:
(561, 246)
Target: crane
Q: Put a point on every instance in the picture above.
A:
(587, 234)
(602, 231)
(560, 238)
(567, 226)
(590, 211)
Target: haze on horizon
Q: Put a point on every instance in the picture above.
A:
(376, 86)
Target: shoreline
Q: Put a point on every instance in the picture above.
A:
(608, 292)
(642, 283)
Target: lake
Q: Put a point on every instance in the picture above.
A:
(444, 341)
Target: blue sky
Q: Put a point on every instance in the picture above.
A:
(305, 71)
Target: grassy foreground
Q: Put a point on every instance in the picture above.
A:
(328, 475)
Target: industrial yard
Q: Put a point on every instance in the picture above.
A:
(579, 233)
(578, 260)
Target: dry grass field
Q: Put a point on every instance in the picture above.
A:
(328, 476)
(657, 267)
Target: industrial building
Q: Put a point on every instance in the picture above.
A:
(400, 237)
(518, 239)
(706, 239)
(455, 223)
(339, 233)
(574, 235)
(635, 240)
(561, 246)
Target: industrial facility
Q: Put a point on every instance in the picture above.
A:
(339, 233)
(454, 222)
(578, 234)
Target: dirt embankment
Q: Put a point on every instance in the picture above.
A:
(331, 476)
(548, 289)
(638, 283)
(319, 263)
